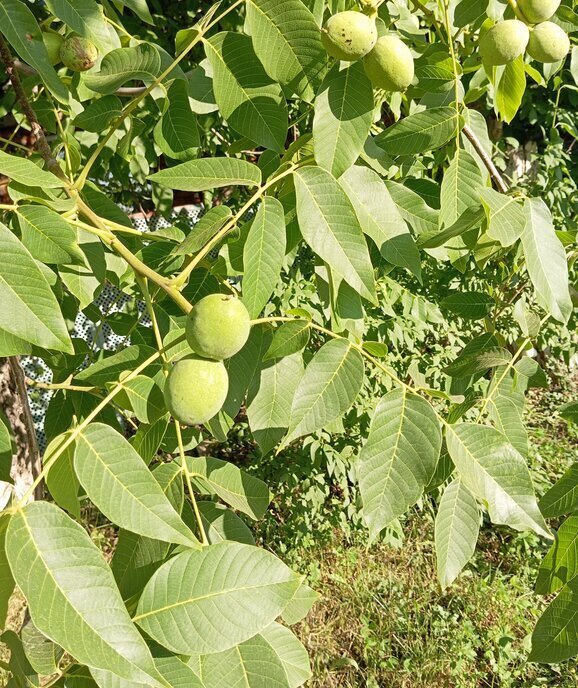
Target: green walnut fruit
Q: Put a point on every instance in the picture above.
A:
(52, 43)
(218, 326)
(548, 43)
(504, 42)
(390, 64)
(536, 11)
(78, 53)
(196, 389)
(349, 35)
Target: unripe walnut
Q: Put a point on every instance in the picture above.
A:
(349, 35)
(52, 43)
(504, 42)
(218, 326)
(536, 11)
(196, 389)
(390, 64)
(78, 53)
(548, 43)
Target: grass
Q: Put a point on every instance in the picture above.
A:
(383, 622)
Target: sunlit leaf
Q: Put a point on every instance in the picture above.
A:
(250, 591)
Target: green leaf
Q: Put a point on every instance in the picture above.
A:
(202, 98)
(380, 218)
(177, 132)
(41, 652)
(376, 349)
(23, 33)
(251, 664)
(146, 398)
(263, 255)
(173, 669)
(300, 604)
(506, 410)
(343, 117)
(424, 131)
(85, 18)
(530, 374)
(398, 458)
(99, 114)
(148, 438)
(470, 361)
(7, 448)
(472, 305)
(6, 579)
(274, 658)
(468, 11)
(329, 225)
(54, 563)
(140, 8)
(85, 281)
(125, 64)
(135, 557)
(248, 99)
(208, 173)
(510, 89)
(26, 172)
(470, 218)
(241, 368)
(496, 474)
(61, 479)
(204, 230)
(29, 310)
(250, 591)
(234, 486)
(562, 497)
(48, 237)
(546, 260)
(287, 41)
(291, 653)
(414, 209)
(560, 564)
(289, 338)
(436, 77)
(269, 403)
(457, 526)
(118, 482)
(13, 346)
(505, 216)
(460, 187)
(109, 367)
(569, 411)
(222, 524)
(528, 321)
(555, 637)
(330, 385)
(23, 673)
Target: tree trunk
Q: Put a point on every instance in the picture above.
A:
(26, 463)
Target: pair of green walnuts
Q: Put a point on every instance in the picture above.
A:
(197, 385)
(75, 52)
(543, 40)
(352, 36)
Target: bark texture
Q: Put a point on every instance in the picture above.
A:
(26, 463)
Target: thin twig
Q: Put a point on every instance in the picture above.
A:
(486, 159)
(41, 142)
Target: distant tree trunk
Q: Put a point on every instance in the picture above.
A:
(26, 463)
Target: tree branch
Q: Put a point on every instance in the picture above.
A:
(486, 159)
(124, 91)
(41, 142)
